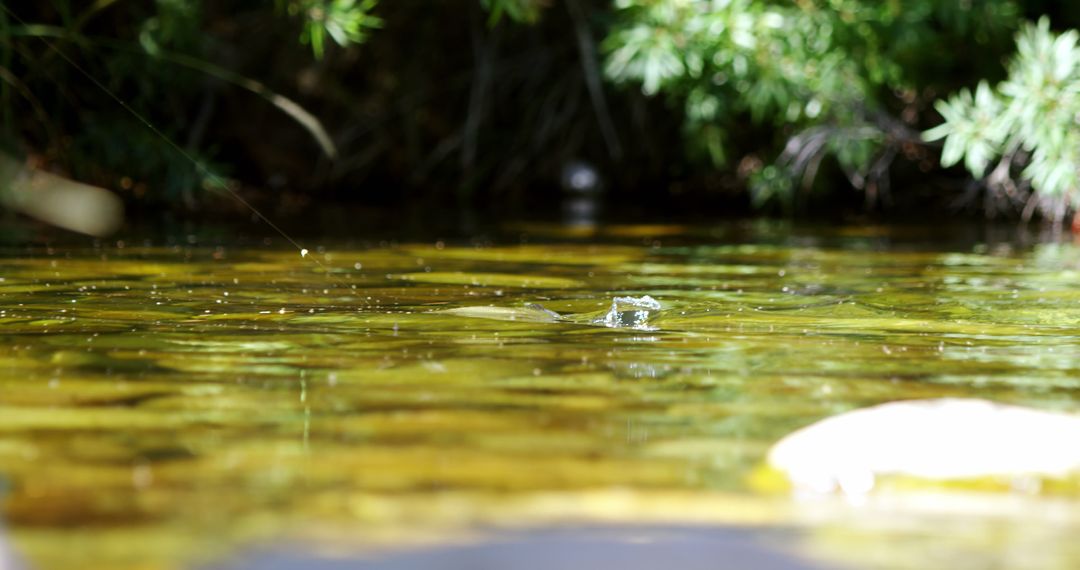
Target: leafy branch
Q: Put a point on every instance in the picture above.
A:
(1029, 125)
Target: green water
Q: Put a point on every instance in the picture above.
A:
(164, 406)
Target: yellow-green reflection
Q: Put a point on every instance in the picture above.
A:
(161, 407)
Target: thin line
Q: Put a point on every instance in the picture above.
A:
(206, 172)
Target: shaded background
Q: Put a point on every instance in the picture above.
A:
(489, 105)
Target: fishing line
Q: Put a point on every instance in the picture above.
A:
(214, 178)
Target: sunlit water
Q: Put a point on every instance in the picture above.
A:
(169, 406)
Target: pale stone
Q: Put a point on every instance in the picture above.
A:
(58, 201)
(942, 439)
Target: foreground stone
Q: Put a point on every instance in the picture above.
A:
(932, 440)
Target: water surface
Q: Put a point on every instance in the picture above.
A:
(171, 405)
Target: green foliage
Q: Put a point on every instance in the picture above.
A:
(347, 22)
(776, 96)
(174, 25)
(97, 152)
(972, 129)
(159, 60)
(797, 66)
(517, 10)
(1029, 122)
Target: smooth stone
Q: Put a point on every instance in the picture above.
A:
(531, 313)
(625, 312)
(942, 439)
(57, 200)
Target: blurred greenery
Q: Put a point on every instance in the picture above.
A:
(477, 102)
(839, 78)
(344, 21)
(1026, 124)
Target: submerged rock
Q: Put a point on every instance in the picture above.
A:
(531, 313)
(625, 312)
(948, 439)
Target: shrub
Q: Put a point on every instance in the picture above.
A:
(839, 78)
(1021, 138)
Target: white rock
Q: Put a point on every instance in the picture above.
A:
(58, 201)
(943, 439)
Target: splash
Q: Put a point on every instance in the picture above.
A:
(630, 313)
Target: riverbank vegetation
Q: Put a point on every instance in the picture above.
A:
(774, 106)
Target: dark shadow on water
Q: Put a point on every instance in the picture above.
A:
(594, 548)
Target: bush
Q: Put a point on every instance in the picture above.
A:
(488, 99)
(1021, 138)
(102, 83)
(839, 78)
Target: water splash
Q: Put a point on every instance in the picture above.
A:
(630, 313)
